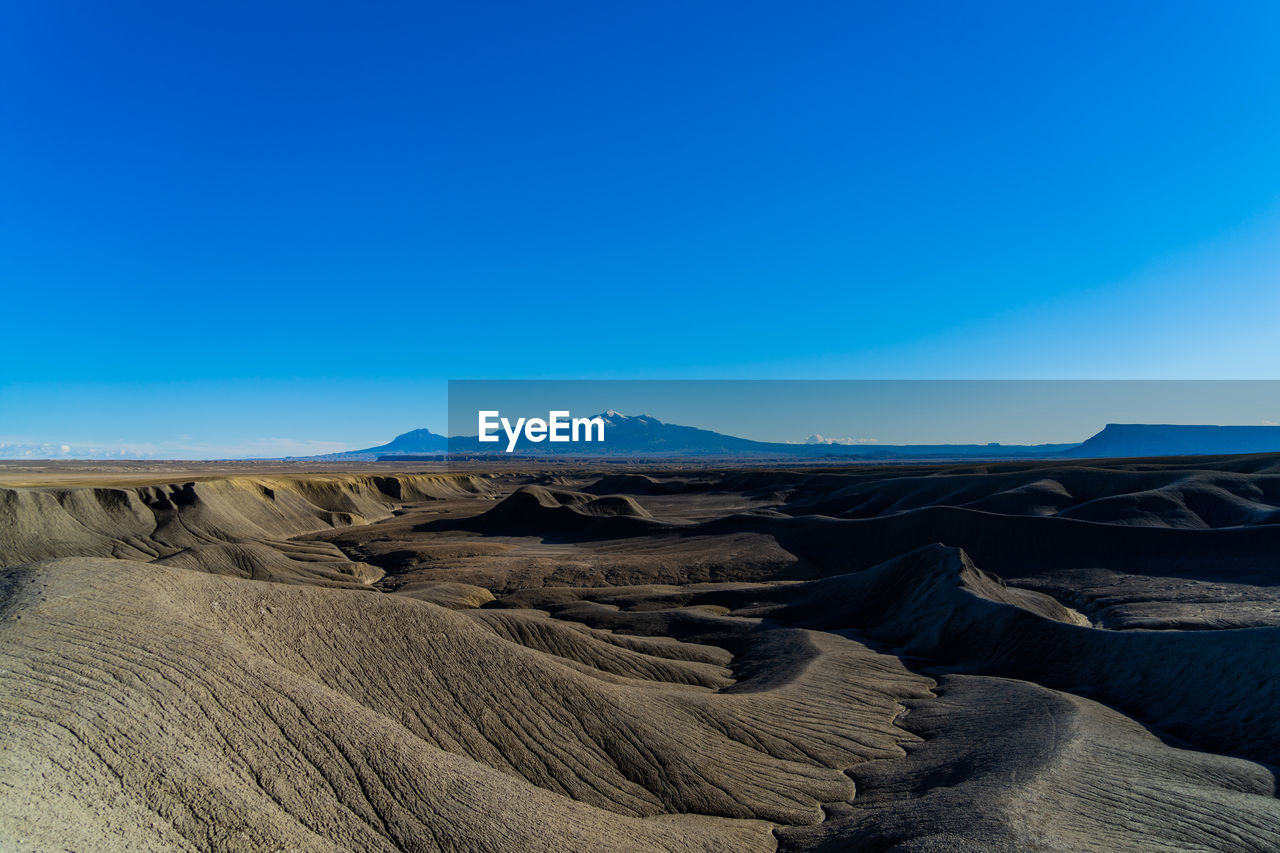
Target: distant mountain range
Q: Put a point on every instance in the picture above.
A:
(642, 436)
(645, 437)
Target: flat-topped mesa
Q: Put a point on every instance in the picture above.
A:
(1123, 440)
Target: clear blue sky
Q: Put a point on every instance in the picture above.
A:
(256, 222)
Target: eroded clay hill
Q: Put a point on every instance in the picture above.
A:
(942, 659)
(237, 526)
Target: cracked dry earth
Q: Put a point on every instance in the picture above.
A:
(1050, 656)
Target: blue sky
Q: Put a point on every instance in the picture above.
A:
(229, 225)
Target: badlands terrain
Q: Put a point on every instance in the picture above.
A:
(1051, 656)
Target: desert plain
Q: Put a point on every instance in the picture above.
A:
(1055, 655)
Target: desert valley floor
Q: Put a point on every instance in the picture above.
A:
(1021, 656)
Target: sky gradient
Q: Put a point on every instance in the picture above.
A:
(252, 227)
